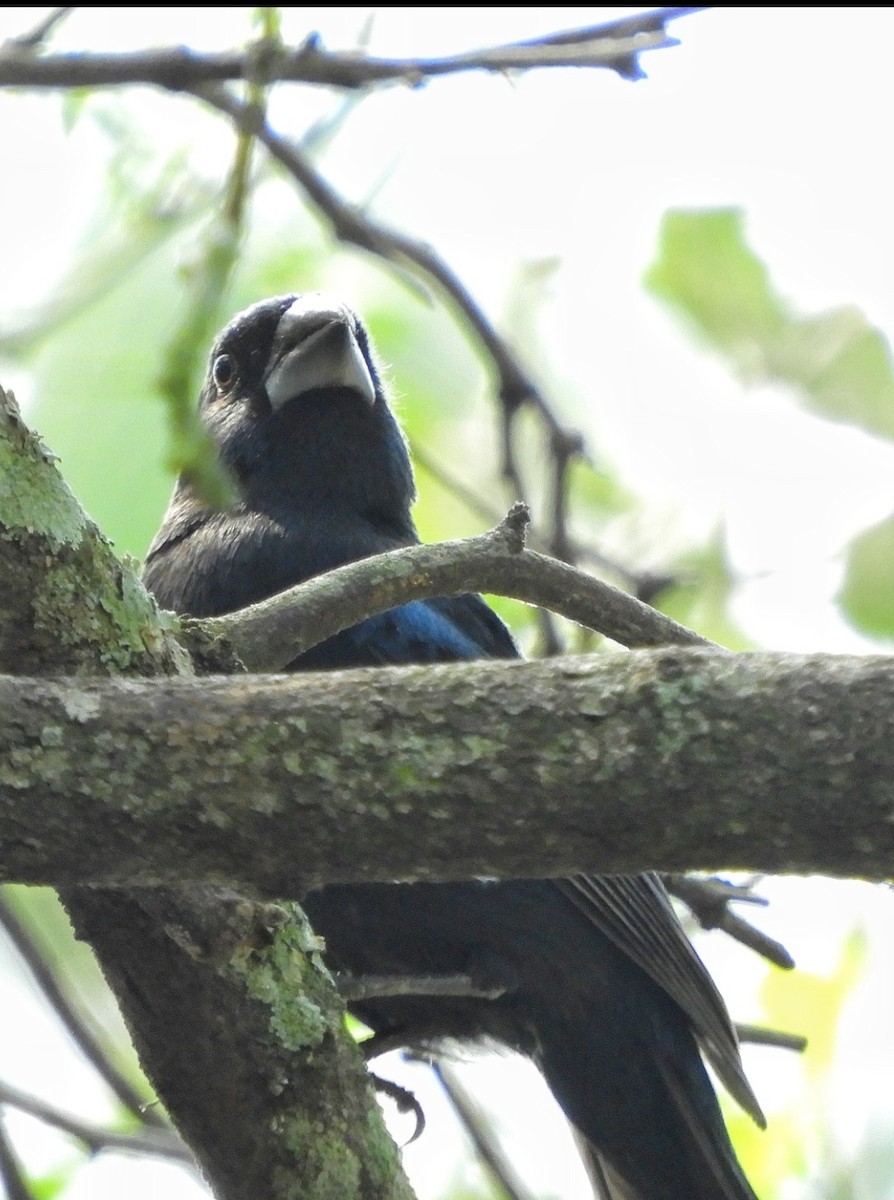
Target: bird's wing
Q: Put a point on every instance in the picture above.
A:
(446, 630)
(477, 621)
(636, 913)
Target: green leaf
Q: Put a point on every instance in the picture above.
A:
(812, 1005)
(867, 595)
(839, 364)
(73, 104)
(53, 1183)
(707, 273)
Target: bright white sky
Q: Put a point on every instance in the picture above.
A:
(782, 111)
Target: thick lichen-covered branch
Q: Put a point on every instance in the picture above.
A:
(67, 605)
(238, 1027)
(666, 759)
(238, 1024)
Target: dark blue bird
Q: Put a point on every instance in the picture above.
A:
(598, 983)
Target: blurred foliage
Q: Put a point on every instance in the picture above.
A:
(52, 1184)
(867, 594)
(810, 1005)
(836, 363)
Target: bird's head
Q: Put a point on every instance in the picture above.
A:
(293, 399)
(291, 349)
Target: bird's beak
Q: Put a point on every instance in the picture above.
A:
(315, 347)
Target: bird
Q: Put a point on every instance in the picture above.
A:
(591, 976)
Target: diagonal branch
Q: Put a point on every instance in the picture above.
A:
(160, 1141)
(35, 37)
(269, 635)
(15, 1183)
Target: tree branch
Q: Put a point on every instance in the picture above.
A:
(81, 1033)
(161, 1141)
(615, 45)
(236, 1023)
(671, 759)
(269, 635)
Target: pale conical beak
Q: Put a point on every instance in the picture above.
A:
(315, 347)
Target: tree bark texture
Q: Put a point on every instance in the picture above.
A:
(237, 1025)
(655, 759)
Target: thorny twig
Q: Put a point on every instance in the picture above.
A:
(615, 45)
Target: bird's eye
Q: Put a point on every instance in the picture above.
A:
(223, 371)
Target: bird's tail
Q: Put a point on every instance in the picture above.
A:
(641, 1098)
(607, 1184)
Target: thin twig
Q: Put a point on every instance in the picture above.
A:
(34, 38)
(563, 451)
(615, 46)
(160, 1141)
(709, 899)
(477, 1125)
(643, 584)
(15, 1183)
(47, 980)
(758, 1035)
(351, 225)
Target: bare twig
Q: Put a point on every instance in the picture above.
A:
(11, 1172)
(563, 450)
(350, 225)
(615, 46)
(709, 899)
(270, 635)
(34, 38)
(643, 584)
(758, 1035)
(479, 1128)
(160, 1141)
(47, 979)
